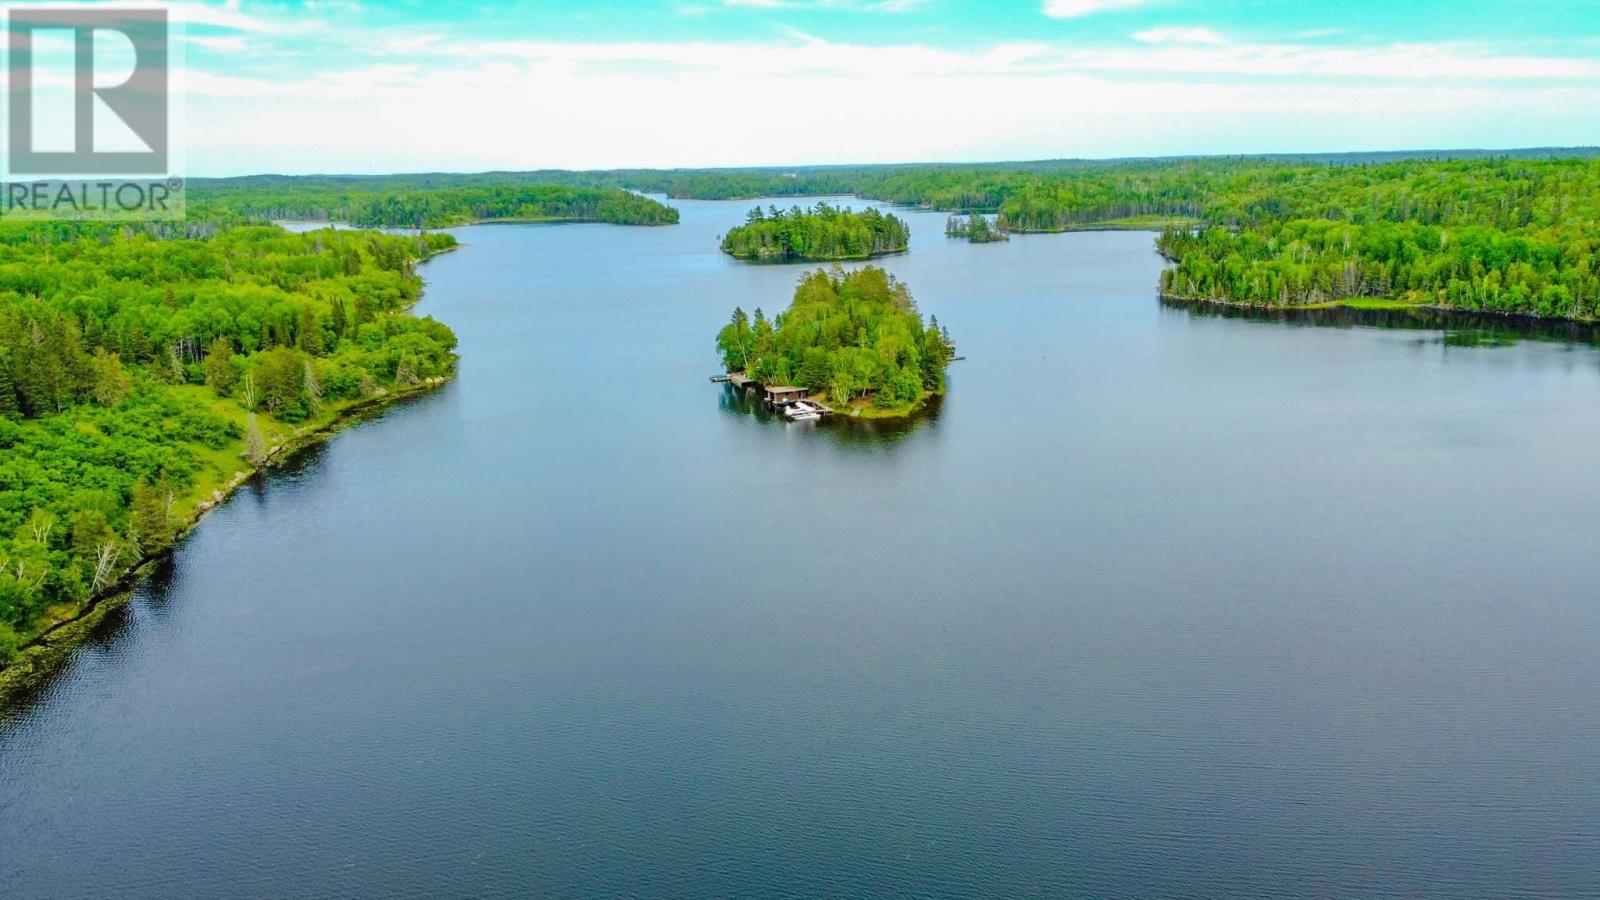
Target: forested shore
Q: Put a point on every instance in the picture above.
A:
(430, 201)
(146, 370)
(1509, 231)
(1516, 233)
(142, 378)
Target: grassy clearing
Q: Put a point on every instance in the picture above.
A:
(867, 408)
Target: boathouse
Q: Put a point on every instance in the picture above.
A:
(780, 394)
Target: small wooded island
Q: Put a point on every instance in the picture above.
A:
(822, 233)
(976, 228)
(853, 340)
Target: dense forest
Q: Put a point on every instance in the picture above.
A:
(138, 374)
(819, 233)
(975, 227)
(882, 182)
(849, 336)
(428, 202)
(1513, 233)
(1476, 230)
(1499, 236)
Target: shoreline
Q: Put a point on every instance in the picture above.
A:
(869, 412)
(48, 651)
(809, 260)
(551, 221)
(1379, 305)
(411, 229)
(44, 654)
(1108, 225)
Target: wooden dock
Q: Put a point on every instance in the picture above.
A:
(775, 397)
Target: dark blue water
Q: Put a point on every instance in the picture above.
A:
(1158, 604)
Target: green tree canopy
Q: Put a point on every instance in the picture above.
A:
(821, 232)
(848, 335)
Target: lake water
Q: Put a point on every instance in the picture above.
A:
(1157, 604)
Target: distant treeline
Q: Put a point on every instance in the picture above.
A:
(878, 182)
(821, 232)
(436, 201)
(1514, 232)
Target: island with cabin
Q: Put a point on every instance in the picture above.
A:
(850, 343)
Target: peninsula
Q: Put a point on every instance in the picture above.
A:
(141, 379)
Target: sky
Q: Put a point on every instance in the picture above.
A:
(303, 86)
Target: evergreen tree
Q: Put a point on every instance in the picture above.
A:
(150, 516)
(9, 407)
(736, 341)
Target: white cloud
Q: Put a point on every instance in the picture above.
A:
(230, 16)
(533, 104)
(461, 104)
(1178, 52)
(219, 43)
(1177, 34)
(226, 16)
(1072, 9)
(544, 114)
(1390, 62)
(891, 6)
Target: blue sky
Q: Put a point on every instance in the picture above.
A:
(366, 86)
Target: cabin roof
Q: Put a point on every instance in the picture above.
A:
(784, 389)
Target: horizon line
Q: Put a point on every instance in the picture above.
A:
(1552, 152)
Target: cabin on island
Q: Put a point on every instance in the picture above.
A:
(778, 395)
(775, 394)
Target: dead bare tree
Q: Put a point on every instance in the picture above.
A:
(313, 388)
(105, 561)
(255, 446)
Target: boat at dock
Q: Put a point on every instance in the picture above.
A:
(802, 410)
(791, 401)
